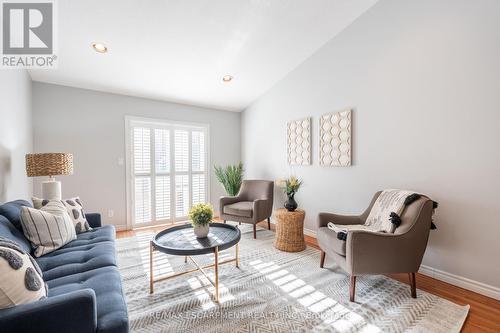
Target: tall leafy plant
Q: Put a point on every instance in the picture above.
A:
(230, 178)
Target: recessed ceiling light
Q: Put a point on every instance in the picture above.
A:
(99, 47)
(227, 78)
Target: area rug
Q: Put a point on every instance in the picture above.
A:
(272, 291)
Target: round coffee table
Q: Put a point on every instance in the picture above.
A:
(181, 241)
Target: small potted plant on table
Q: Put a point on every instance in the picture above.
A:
(200, 216)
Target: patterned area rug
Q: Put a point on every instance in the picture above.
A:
(272, 291)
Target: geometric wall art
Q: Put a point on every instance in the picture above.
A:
(298, 135)
(335, 139)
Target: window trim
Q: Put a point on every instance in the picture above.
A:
(130, 122)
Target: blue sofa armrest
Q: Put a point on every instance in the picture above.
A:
(94, 220)
(74, 312)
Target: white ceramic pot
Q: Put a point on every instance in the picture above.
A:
(201, 231)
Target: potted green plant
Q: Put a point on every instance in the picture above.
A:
(230, 177)
(290, 186)
(200, 216)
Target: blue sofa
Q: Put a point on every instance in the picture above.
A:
(85, 289)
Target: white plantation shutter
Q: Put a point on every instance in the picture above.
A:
(198, 151)
(142, 168)
(181, 195)
(198, 188)
(142, 199)
(162, 168)
(198, 184)
(181, 151)
(142, 151)
(169, 170)
(162, 197)
(162, 150)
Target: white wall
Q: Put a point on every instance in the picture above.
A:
(91, 125)
(16, 138)
(423, 78)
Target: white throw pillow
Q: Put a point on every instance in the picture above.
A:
(48, 228)
(20, 277)
(75, 210)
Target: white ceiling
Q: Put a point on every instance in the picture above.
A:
(178, 50)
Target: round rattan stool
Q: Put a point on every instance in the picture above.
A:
(290, 230)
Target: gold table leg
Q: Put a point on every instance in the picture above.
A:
(198, 268)
(216, 258)
(237, 256)
(151, 279)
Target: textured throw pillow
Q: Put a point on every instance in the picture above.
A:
(20, 277)
(48, 228)
(75, 210)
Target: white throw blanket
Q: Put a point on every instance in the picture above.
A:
(379, 218)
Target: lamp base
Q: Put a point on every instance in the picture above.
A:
(51, 190)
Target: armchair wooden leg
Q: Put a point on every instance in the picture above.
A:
(413, 284)
(269, 223)
(322, 260)
(352, 288)
(254, 231)
(239, 223)
(224, 221)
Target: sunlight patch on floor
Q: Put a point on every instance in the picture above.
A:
(337, 316)
(204, 291)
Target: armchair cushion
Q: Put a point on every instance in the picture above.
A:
(223, 201)
(327, 240)
(325, 218)
(242, 208)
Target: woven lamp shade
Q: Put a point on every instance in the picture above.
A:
(49, 164)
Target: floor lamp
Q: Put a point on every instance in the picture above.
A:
(49, 164)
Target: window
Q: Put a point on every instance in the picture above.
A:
(167, 170)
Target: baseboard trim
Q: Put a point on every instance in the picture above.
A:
(120, 227)
(462, 282)
(310, 232)
(456, 280)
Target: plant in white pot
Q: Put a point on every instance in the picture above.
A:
(200, 216)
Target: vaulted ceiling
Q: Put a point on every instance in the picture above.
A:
(179, 50)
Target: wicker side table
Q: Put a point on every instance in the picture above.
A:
(290, 230)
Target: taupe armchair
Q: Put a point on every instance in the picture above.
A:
(254, 203)
(366, 252)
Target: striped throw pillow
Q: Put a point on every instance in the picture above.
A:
(48, 228)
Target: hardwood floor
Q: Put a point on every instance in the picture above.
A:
(484, 314)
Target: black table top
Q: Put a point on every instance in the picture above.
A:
(181, 240)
